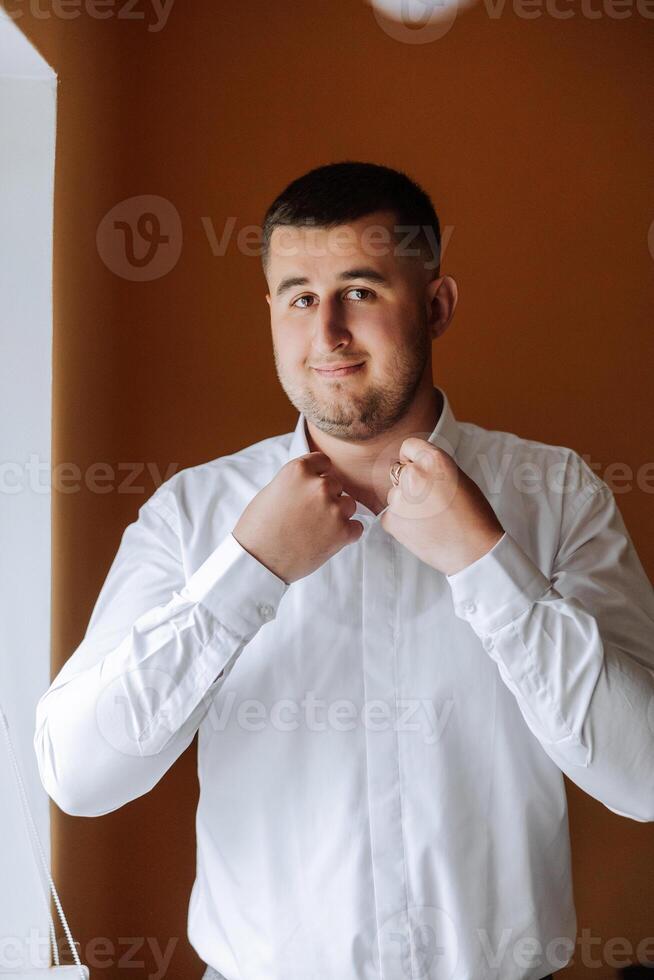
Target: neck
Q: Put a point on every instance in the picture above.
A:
(363, 467)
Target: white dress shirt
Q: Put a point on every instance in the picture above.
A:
(381, 746)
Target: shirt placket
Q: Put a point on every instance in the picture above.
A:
(392, 954)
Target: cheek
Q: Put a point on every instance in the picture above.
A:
(383, 350)
(293, 363)
(382, 333)
(289, 348)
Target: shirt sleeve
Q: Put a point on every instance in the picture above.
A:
(130, 698)
(577, 651)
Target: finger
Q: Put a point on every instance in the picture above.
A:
(334, 485)
(348, 505)
(356, 529)
(411, 448)
(427, 457)
(317, 462)
(414, 450)
(391, 495)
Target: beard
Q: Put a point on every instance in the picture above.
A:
(340, 410)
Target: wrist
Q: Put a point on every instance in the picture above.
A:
(470, 555)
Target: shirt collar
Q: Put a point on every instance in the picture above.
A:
(445, 434)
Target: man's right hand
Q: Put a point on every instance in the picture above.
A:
(300, 519)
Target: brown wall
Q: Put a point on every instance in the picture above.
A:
(533, 137)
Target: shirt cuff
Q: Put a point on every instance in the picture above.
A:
(236, 588)
(498, 587)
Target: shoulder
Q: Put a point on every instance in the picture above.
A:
(509, 463)
(238, 475)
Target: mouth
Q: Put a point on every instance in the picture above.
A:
(340, 372)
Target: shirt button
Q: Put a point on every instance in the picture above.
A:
(488, 643)
(468, 607)
(266, 610)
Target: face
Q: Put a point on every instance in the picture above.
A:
(344, 298)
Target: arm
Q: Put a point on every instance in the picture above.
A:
(130, 698)
(577, 651)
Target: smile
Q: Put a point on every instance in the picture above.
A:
(339, 372)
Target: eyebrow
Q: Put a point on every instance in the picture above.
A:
(369, 274)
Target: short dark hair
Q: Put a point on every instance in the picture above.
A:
(336, 193)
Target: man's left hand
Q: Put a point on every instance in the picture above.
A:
(437, 511)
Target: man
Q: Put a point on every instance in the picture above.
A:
(393, 632)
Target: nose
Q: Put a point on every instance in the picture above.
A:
(330, 330)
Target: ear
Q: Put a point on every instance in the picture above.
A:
(268, 298)
(441, 296)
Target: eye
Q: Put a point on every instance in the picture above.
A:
(307, 296)
(298, 300)
(360, 289)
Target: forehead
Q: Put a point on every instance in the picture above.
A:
(370, 240)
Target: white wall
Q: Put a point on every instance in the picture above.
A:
(27, 142)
